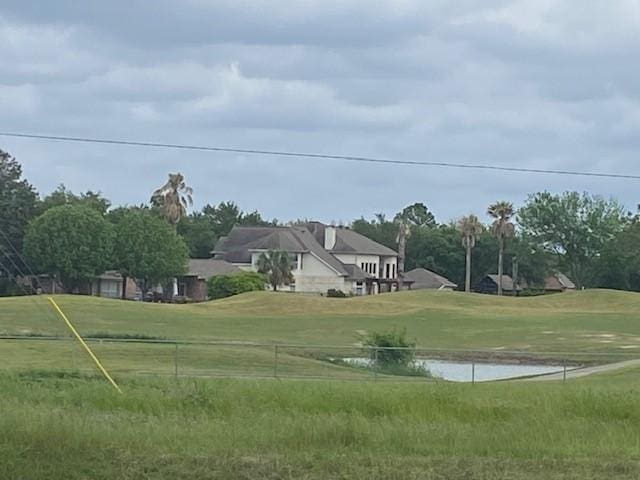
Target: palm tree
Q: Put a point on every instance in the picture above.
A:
(501, 228)
(470, 227)
(173, 198)
(404, 232)
(276, 265)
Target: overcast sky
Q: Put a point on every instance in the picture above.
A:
(536, 83)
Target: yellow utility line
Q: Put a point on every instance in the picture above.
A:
(82, 342)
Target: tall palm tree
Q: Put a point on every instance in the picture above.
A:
(501, 228)
(277, 266)
(404, 232)
(470, 227)
(173, 198)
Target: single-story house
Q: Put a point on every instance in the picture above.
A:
(558, 282)
(324, 257)
(421, 278)
(108, 284)
(489, 284)
(193, 284)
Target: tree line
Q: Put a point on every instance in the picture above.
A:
(75, 237)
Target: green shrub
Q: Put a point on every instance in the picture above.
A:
(389, 350)
(332, 292)
(227, 285)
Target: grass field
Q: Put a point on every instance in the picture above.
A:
(56, 425)
(596, 320)
(587, 324)
(75, 428)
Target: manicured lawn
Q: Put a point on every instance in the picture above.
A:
(592, 321)
(74, 428)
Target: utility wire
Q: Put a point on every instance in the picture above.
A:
(20, 272)
(21, 258)
(348, 158)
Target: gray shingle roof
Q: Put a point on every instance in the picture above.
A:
(237, 246)
(348, 241)
(242, 241)
(210, 267)
(423, 278)
(507, 281)
(312, 245)
(356, 273)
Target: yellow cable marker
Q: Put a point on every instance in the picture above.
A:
(82, 342)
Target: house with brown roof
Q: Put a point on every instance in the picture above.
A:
(193, 284)
(558, 282)
(489, 284)
(423, 279)
(324, 257)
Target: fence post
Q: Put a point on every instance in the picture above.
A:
(473, 372)
(564, 370)
(175, 360)
(375, 364)
(275, 361)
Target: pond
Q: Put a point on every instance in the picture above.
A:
(461, 371)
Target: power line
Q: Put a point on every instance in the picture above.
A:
(319, 156)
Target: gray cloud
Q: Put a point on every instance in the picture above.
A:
(530, 83)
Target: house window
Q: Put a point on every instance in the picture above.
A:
(375, 269)
(387, 270)
(359, 289)
(393, 269)
(109, 288)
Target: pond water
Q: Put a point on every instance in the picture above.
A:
(461, 371)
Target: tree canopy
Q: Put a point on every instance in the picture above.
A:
(147, 248)
(201, 230)
(17, 207)
(73, 243)
(63, 196)
(417, 215)
(575, 227)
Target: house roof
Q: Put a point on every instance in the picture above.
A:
(423, 278)
(241, 242)
(209, 267)
(110, 275)
(356, 273)
(312, 245)
(348, 241)
(558, 281)
(507, 281)
(237, 246)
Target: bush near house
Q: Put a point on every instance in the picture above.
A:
(333, 293)
(222, 286)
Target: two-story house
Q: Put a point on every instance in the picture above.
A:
(323, 257)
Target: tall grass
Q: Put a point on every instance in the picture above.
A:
(77, 428)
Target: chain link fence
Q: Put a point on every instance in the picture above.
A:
(359, 363)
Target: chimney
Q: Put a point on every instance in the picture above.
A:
(329, 237)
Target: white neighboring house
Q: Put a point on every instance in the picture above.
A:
(324, 257)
